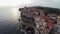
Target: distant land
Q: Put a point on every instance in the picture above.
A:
(48, 9)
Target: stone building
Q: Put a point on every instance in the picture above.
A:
(37, 21)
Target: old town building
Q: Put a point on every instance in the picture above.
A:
(39, 20)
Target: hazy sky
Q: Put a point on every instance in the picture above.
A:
(15, 3)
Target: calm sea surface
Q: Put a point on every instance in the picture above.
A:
(9, 20)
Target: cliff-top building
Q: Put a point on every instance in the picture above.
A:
(38, 20)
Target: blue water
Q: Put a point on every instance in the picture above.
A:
(9, 20)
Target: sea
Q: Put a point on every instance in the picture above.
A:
(9, 20)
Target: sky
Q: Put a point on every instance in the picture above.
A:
(20, 3)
